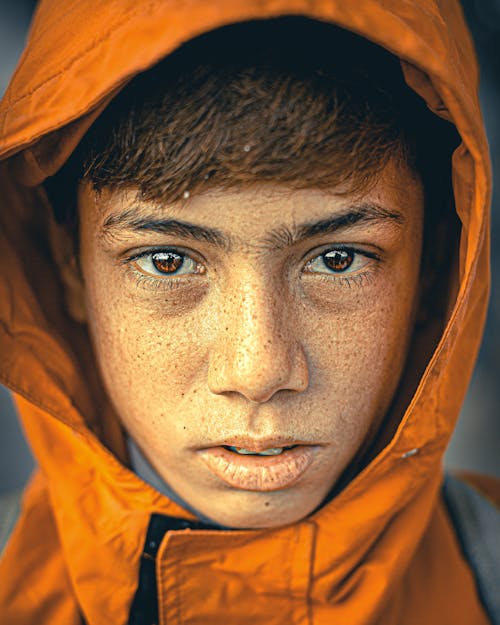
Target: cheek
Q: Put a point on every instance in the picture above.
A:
(150, 361)
(358, 344)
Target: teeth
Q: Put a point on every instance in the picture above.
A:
(272, 451)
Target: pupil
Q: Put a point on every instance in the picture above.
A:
(167, 262)
(338, 260)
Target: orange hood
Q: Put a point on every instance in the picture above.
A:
(382, 551)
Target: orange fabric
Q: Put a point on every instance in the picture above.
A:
(382, 551)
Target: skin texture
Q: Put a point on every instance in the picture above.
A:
(258, 338)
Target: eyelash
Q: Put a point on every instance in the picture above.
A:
(156, 284)
(358, 279)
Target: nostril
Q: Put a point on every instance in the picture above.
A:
(258, 374)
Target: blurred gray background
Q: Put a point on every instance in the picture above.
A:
(476, 444)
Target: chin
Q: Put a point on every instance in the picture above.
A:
(262, 510)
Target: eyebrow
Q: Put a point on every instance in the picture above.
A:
(135, 220)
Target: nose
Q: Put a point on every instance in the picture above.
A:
(256, 352)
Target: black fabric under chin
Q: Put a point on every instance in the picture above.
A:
(144, 608)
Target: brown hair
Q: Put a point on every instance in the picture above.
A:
(290, 101)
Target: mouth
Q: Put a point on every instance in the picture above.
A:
(270, 451)
(259, 468)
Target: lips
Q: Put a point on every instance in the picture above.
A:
(256, 470)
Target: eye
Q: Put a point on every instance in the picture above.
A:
(339, 260)
(167, 263)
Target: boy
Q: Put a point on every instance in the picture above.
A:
(236, 353)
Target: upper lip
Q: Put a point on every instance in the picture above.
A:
(253, 444)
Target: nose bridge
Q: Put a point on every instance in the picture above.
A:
(256, 352)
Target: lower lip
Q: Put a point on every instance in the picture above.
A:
(259, 473)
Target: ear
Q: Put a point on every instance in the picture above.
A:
(64, 247)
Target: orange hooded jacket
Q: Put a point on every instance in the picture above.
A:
(383, 551)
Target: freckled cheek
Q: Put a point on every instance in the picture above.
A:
(145, 353)
(357, 343)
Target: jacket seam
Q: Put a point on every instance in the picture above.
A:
(116, 27)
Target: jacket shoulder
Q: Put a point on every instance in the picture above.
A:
(476, 520)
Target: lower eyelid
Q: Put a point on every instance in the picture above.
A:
(341, 281)
(154, 284)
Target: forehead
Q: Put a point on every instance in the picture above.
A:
(395, 198)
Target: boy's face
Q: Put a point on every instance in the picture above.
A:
(261, 318)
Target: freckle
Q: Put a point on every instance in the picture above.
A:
(266, 504)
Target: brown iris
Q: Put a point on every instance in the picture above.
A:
(338, 260)
(167, 262)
